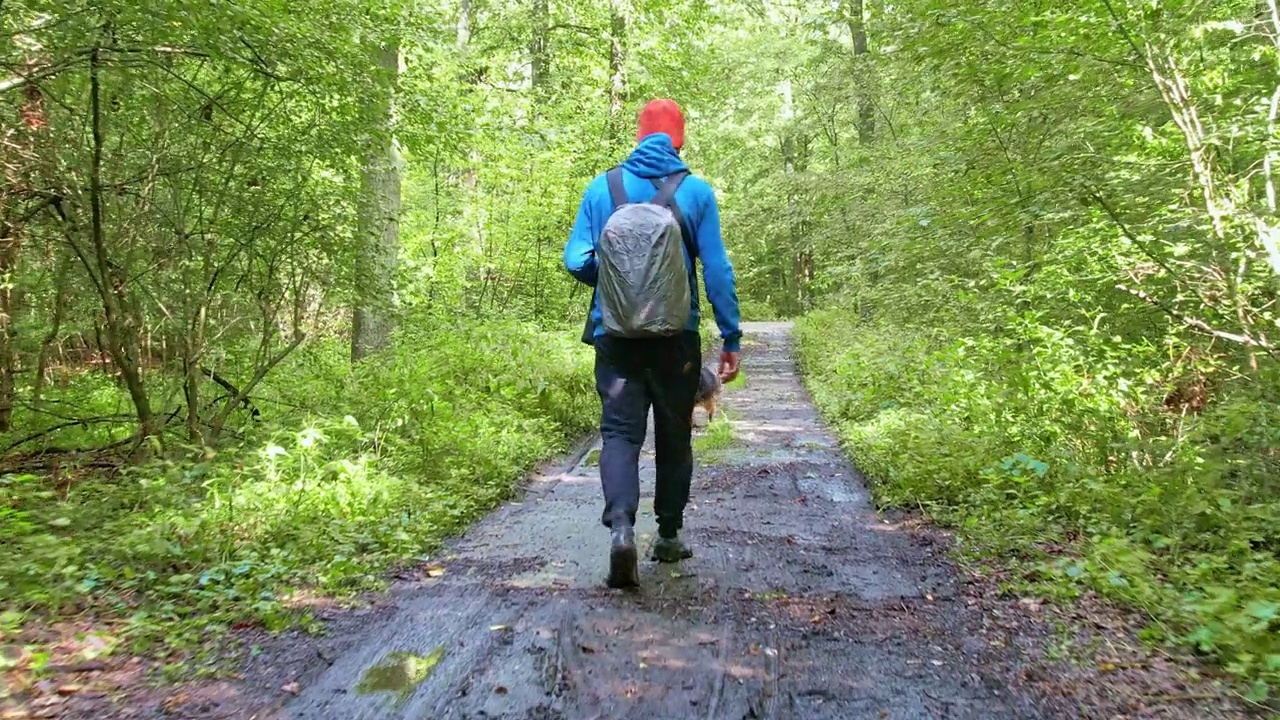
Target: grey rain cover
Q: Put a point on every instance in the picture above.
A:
(643, 282)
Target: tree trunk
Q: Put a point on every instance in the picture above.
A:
(461, 41)
(55, 329)
(378, 224)
(192, 353)
(121, 328)
(538, 60)
(464, 24)
(9, 246)
(191, 394)
(866, 108)
(792, 164)
(617, 69)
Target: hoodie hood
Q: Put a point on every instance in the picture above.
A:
(654, 157)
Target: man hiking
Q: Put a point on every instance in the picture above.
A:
(639, 230)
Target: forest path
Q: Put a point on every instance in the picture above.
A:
(801, 601)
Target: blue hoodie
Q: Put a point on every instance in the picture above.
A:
(655, 157)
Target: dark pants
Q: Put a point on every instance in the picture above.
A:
(632, 376)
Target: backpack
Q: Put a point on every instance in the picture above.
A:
(643, 283)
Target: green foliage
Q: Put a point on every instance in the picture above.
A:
(717, 435)
(383, 464)
(185, 225)
(1044, 435)
(1038, 245)
(1045, 235)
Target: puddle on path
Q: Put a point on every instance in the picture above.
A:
(399, 673)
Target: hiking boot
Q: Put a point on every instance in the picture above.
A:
(624, 571)
(671, 550)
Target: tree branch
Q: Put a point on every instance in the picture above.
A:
(576, 28)
(1197, 323)
(1070, 52)
(231, 388)
(1124, 229)
(240, 397)
(71, 423)
(1124, 31)
(22, 79)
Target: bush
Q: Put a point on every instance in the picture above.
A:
(1040, 435)
(371, 468)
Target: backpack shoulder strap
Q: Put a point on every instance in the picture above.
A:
(667, 190)
(617, 190)
(666, 197)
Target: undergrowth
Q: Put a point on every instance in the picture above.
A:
(1038, 438)
(350, 473)
(715, 436)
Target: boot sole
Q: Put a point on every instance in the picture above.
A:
(624, 570)
(663, 558)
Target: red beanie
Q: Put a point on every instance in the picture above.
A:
(662, 116)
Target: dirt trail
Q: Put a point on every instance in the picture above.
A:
(801, 602)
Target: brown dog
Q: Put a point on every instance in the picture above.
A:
(708, 394)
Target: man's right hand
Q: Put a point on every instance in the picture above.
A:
(728, 366)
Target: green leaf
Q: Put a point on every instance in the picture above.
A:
(1263, 610)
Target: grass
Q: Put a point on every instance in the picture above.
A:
(718, 435)
(1067, 467)
(372, 469)
(710, 444)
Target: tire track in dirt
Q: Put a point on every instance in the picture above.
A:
(801, 602)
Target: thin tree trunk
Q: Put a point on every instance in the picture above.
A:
(192, 354)
(191, 394)
(538, 50)
(461, 41)
(617, 69)
(220, 420)
(122, 337)
(866, 108)
(464, 24)
(792, 274)
(9, 246)
(379, 219)
(55, 329)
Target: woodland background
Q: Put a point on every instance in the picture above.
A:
(282, 300)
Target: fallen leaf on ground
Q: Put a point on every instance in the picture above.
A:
(292, 688)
